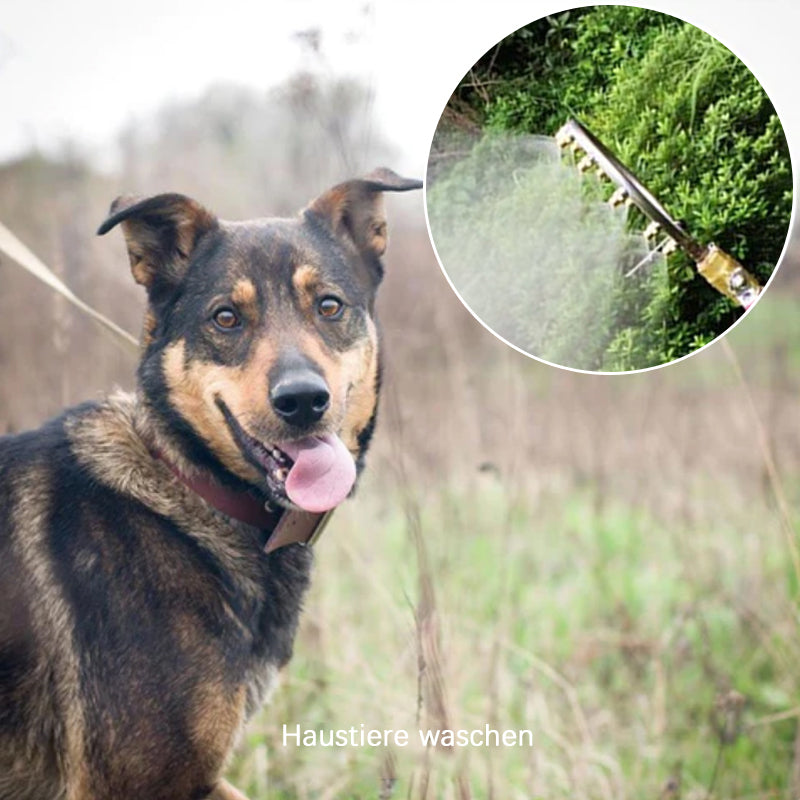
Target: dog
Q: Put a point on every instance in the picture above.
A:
(144, 607)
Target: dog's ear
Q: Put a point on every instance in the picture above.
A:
(160, 233)
(354, 209)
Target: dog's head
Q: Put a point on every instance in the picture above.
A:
(260, 349)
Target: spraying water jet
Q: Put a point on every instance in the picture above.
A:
(539, 256)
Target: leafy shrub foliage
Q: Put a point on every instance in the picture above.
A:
(679, 109)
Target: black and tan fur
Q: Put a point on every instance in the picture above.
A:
(139, 626)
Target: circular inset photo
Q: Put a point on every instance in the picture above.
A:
(609, 189)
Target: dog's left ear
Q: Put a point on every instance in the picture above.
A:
(354, 209)
(161, 232)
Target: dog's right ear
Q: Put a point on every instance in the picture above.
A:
(161, 232)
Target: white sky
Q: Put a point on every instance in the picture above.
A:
(83, 68)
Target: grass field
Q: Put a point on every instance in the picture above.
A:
(637, 614)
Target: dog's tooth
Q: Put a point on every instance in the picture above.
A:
(281, 474)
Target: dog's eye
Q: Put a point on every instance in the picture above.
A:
(226, 318)
(330, 307)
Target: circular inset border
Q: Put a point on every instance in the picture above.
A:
(777, 263)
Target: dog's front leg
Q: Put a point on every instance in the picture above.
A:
(224, 791)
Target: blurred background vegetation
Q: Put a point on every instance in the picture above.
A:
(678, 108)
(609, 562)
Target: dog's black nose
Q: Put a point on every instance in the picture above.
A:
(300, 397)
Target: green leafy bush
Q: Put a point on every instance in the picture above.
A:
(685, 114)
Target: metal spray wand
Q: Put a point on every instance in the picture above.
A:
(719, 268)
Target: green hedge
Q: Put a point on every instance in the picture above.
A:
(679, 109)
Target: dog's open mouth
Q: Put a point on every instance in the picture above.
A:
(314, 473)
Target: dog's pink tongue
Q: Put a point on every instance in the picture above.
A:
(323, 472)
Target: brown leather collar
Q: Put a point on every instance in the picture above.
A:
(280, 527)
